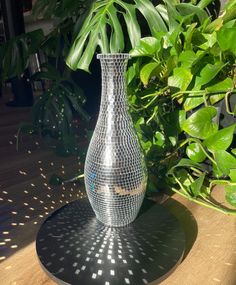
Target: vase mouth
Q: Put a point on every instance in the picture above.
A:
(113, 56)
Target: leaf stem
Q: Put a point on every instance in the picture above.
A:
(200, 92)
(205, 204)
(221, 182)
(152, 116)
(227, 104)
(205, 99)
(181, 186)
(196, 170)
(74, 178)
(155, 94)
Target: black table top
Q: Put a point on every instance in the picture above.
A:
(75, 248)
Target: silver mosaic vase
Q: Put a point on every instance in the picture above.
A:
(115, 171)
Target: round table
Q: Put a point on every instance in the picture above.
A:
(75, 248)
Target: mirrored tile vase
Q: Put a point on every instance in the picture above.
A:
(115, 171)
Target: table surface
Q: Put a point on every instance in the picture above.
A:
(75, 248)
(210, 258)
(211, 236)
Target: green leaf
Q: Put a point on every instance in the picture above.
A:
(184, 162)
(210, 41)
(229, 5)
(181, 78)
(117, 37)
(173, 15)
(147, 46)
(231, 195)
(208, 73)
(173, 140)
(147, 131)
(187, 58)
(200, 124)
(173, 122)
(220, 140)
(214, 25)
(146, 145)
(48, 72)
(193, 102)
(195, 153)
(162, 9)
(189, 9)
(15, 53)
(107, 15)
(189, 35)
(171, 63)
(196, 186)
(130, 75)
(152, 16)
(183, 176)
(34, 40)
(87, 56)
(78, 107)
(132, 24)
(232, 175)
(203, 3)
(225, 161)
(147, 71)
(217, 172)
(230, 13)
(138, 124)
(181, 119)
(223, 86)
(226, 39)
(159, 139)
(59, 10)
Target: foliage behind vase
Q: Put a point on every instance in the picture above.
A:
(179, 127)
(176, 77)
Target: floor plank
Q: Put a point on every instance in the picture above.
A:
(26, 197)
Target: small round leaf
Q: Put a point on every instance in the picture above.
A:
(195, 153)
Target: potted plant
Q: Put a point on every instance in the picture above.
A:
(177, 76)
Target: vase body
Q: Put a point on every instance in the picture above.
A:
(115, 171)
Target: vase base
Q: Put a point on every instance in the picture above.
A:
(116, 210)
(88, 252)
(116, 225)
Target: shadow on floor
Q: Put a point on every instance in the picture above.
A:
(186, 220)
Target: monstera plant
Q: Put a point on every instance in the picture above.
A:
(103, 28)
(181, 74)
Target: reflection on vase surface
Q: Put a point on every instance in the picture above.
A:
(115, 171)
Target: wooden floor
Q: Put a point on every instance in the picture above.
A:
(26, 199)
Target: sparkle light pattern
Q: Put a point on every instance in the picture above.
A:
(76, 248)
(28, 198)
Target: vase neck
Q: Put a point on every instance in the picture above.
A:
(113, 68)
